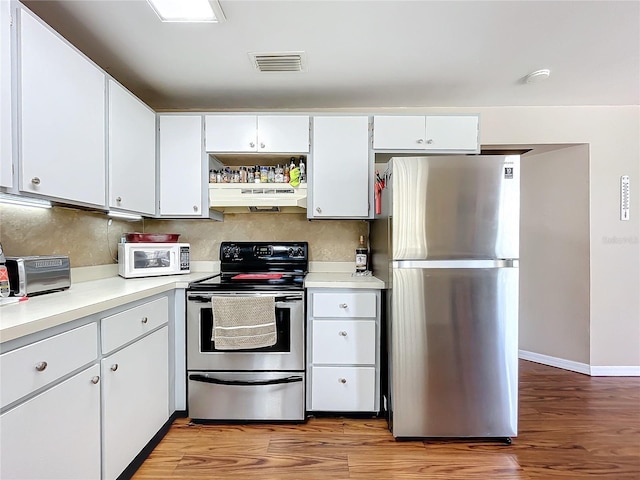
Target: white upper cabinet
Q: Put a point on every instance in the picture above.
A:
(181, 166)
(132, 152)
(340, 168)
(62, 118)
(431, 133)
(257, 133)
(6, 158)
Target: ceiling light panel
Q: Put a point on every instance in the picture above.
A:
(187, 10)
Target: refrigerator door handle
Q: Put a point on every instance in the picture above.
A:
(497, 263)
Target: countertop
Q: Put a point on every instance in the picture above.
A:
(82, 299)
(341, 280)
(97, 295)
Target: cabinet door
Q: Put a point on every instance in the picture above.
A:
(391, 132)
(132, 152)
(181, 165)
(457, 133)
(283, 133)
(343, 389)
(231, 133)
(55, 435)
(135, 399)
(62, 118)
(6, 158)
(340, 168)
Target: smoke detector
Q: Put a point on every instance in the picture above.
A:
(537, 76)
(279, 61)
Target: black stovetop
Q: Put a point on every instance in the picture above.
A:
(259, 265)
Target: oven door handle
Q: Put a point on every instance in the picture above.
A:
(218, 381)
(278, 299)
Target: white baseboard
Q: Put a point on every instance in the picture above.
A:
(594, 371)
(555, 362)
(630, 371)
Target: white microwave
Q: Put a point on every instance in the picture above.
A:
(152, 259)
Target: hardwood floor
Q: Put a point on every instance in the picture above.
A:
(571, 426)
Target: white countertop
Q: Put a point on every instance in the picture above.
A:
(94, 295)
(341, 280)
(84, 298)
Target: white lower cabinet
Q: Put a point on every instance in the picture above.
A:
(135, 399)
(343, 354)
(56, 434)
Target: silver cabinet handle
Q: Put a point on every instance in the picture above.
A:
(342, 380)
(41, 366)
(420, 140)
(430, 141)
(195, 208)
(261, 145)
(114, 367)
(251, 144)
(118, 199)
(343, 305)
(35, 181)
(145, 319)
(318, 209)
(95, 379)
(342, 333)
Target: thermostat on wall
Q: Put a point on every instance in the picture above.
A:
(624, 197)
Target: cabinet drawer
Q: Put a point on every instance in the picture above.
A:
(33, 366)
(344, 305)
(344, 389)
(340, 342)
(126, 326)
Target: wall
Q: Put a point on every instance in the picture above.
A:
(613, 136)
(88, 239)
(554, 253)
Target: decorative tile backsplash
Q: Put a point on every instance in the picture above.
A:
(90, 238)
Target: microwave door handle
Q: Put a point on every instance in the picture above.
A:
(219, 381)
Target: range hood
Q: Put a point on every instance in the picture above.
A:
(257, 197)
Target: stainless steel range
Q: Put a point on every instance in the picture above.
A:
(265, 383)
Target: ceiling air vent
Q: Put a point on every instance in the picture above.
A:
(279, 61)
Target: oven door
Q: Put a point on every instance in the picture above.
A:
(286, 354)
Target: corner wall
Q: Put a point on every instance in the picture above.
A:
(554, 254)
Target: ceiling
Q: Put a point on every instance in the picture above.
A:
(364, 54)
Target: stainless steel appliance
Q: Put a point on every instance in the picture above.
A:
(38, 274)
(255, 384)
(152, 259)
(446, 243)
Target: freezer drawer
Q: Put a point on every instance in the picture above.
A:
(276, 396)
(454, 352)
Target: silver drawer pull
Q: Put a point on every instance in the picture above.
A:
(342, 380)
(114, 367)
(343, 305)
(95, 379)
(35, 181)
(145, 319)
(342, 333)
(41, 366)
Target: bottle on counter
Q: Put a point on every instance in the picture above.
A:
(361, 257)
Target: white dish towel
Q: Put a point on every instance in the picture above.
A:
(243, 322)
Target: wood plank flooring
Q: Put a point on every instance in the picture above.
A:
(571, 426)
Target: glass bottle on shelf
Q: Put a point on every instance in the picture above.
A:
(271, 175)
(279, 174)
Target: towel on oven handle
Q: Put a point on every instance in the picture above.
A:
(243, 322)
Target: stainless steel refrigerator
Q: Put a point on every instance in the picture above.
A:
(446, 242)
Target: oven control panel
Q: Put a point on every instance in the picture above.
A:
(263, 252)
